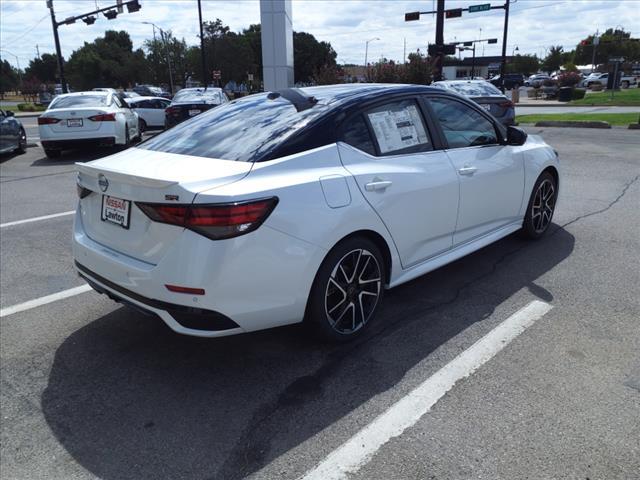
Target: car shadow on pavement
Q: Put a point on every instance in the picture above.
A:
(130, 399)
(70, 157)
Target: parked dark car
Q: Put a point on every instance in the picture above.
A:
(151, 91)
(484, 94)
(190, 102)
(511, 80)
(12, 135)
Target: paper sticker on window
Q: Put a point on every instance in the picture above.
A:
(398, 129)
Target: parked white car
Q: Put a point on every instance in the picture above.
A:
(86, 118)
(150, 110)
(305, 204)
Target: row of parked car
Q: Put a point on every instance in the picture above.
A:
(106, 117)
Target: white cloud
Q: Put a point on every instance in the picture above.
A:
(347, 24)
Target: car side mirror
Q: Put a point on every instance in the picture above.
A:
(10, 114)
(516, 136)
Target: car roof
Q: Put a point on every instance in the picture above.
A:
(79, 94)
(141, 98)
(456, 82)
(199, 89)
(351, 92)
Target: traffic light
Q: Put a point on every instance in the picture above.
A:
(409, 17)
(133, 6)
(111, 14)
(453, 13)
(468, 44)
(492, 40)
(90, 20)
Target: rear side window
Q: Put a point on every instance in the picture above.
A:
(462, 125)
(356, 134)
(398, 128)
(80, 101)
(245, 130)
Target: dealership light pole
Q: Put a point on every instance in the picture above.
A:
(366, 54)
(203, 58)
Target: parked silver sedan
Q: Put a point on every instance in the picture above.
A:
(486, 95)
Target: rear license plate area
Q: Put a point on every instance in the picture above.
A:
(486, 106)
(116, 210)
(193, 113)
(74, 122)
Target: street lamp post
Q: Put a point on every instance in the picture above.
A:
(166, 50)
(366, 54)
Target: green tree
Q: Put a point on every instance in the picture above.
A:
(8, 78)
(309, 55)
(525, 64)
(172, 50)
(417, 70)
(108, 61)
(44, 68)
(612, 43)
(554, 59)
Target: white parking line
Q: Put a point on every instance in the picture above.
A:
(38, 302)
(359, 449)
(37, 219)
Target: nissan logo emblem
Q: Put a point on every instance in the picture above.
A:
(103, 183)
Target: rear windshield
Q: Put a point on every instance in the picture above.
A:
(198, 96)
(475, 89)
(80, 101)
(243, 130)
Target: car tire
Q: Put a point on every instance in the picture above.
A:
(541, 206)
(347, 291)
(142, 127)
(625, 84)
(22, 142)
(52, 153)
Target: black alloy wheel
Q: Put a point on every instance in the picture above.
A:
(541, 206)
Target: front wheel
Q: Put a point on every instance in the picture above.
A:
(541, 206)
(346, 291)
(22, 142)
(52, 153)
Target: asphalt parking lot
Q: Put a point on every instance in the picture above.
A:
(91, 389)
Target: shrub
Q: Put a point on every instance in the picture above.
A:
(578, 93)
(569, 79)
(30, 107)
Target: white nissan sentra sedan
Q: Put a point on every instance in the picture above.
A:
(87, 118)
(305, 205)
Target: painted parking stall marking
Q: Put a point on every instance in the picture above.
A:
(38, 302)
(37, 219)
(359, 449)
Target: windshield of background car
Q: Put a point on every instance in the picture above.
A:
(198, 96)
(80, 101)
(243, 130)
(476, 89)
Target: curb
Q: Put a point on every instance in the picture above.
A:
(27, 114)
(634, 126)
(573, 123)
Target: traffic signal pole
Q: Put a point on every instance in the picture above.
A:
(437, 74)
(56, 39)
(203, 57)
(504, 45)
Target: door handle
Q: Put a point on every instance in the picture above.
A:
(377, 185)
(466, 170)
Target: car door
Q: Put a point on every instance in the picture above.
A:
(491, 174)
(412, 186)
(157, 111)
(130, 115)
(5, 132)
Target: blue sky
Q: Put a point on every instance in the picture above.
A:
(347, 24)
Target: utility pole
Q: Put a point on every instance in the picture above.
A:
(437, 75)
(595, 42)
(166, 50)
(504, 45)
(38, 50)
(203, 57)
(56, 39)
(404, 51)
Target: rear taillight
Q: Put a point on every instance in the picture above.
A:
(47, 120)
(217, 221)
(172, 111)
(103, 117)
(507, 104)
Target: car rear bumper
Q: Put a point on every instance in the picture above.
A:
(77, 143)
(252, 282)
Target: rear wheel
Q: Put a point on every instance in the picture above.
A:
(142, 126)
(346, 291)
(52, 153)
(541, 206)
(625, 84)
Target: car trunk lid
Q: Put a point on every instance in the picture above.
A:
(110, 215)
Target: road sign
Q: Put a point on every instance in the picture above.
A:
(453, 13)
(479, 8)
(616, 59)
(492, 40)
(468, 44)
(217, 74)
(408, 17)
(449, 49)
